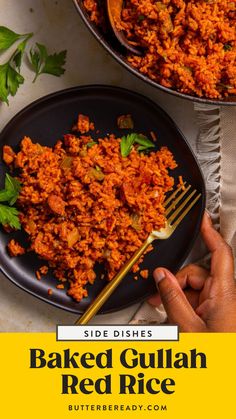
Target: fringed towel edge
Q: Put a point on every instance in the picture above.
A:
(209, 155)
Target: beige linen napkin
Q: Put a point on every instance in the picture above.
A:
(216, 153)
(228, 176)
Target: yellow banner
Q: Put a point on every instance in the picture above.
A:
(42, 378)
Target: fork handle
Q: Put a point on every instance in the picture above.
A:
(112, 285)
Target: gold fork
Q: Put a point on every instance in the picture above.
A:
(177, 207)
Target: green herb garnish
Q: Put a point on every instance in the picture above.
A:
(9, 214)
(227, 47)
(141, 18)
(144, 142)
(17, 57)
(10, 77)
(42, 62)
(11, 191)
(8, 37)
(91, 144)
(128, 141)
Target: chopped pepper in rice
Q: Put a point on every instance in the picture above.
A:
(80, 205)
(187, 45)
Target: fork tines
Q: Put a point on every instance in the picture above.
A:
(176, 203)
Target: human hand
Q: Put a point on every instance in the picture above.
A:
(198, 300)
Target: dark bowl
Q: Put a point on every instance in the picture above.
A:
(111, 44)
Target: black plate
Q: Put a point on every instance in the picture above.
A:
(110, 43)
(45, 121)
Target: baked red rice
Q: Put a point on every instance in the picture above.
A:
(188, 45)
(82, 204)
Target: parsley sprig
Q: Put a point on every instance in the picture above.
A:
(9, 216)
(8, 37)
(10, 71)
(11, 191)
(9, 195)
(128, 141)
(10, 77)
(42, 62)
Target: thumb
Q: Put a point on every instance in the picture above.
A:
(178, 309)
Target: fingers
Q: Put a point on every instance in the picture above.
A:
(222, 262)
(193, 276)
(178, 309)
(154, 300)
(192, 297)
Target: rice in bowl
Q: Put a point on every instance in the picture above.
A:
(188, 45)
